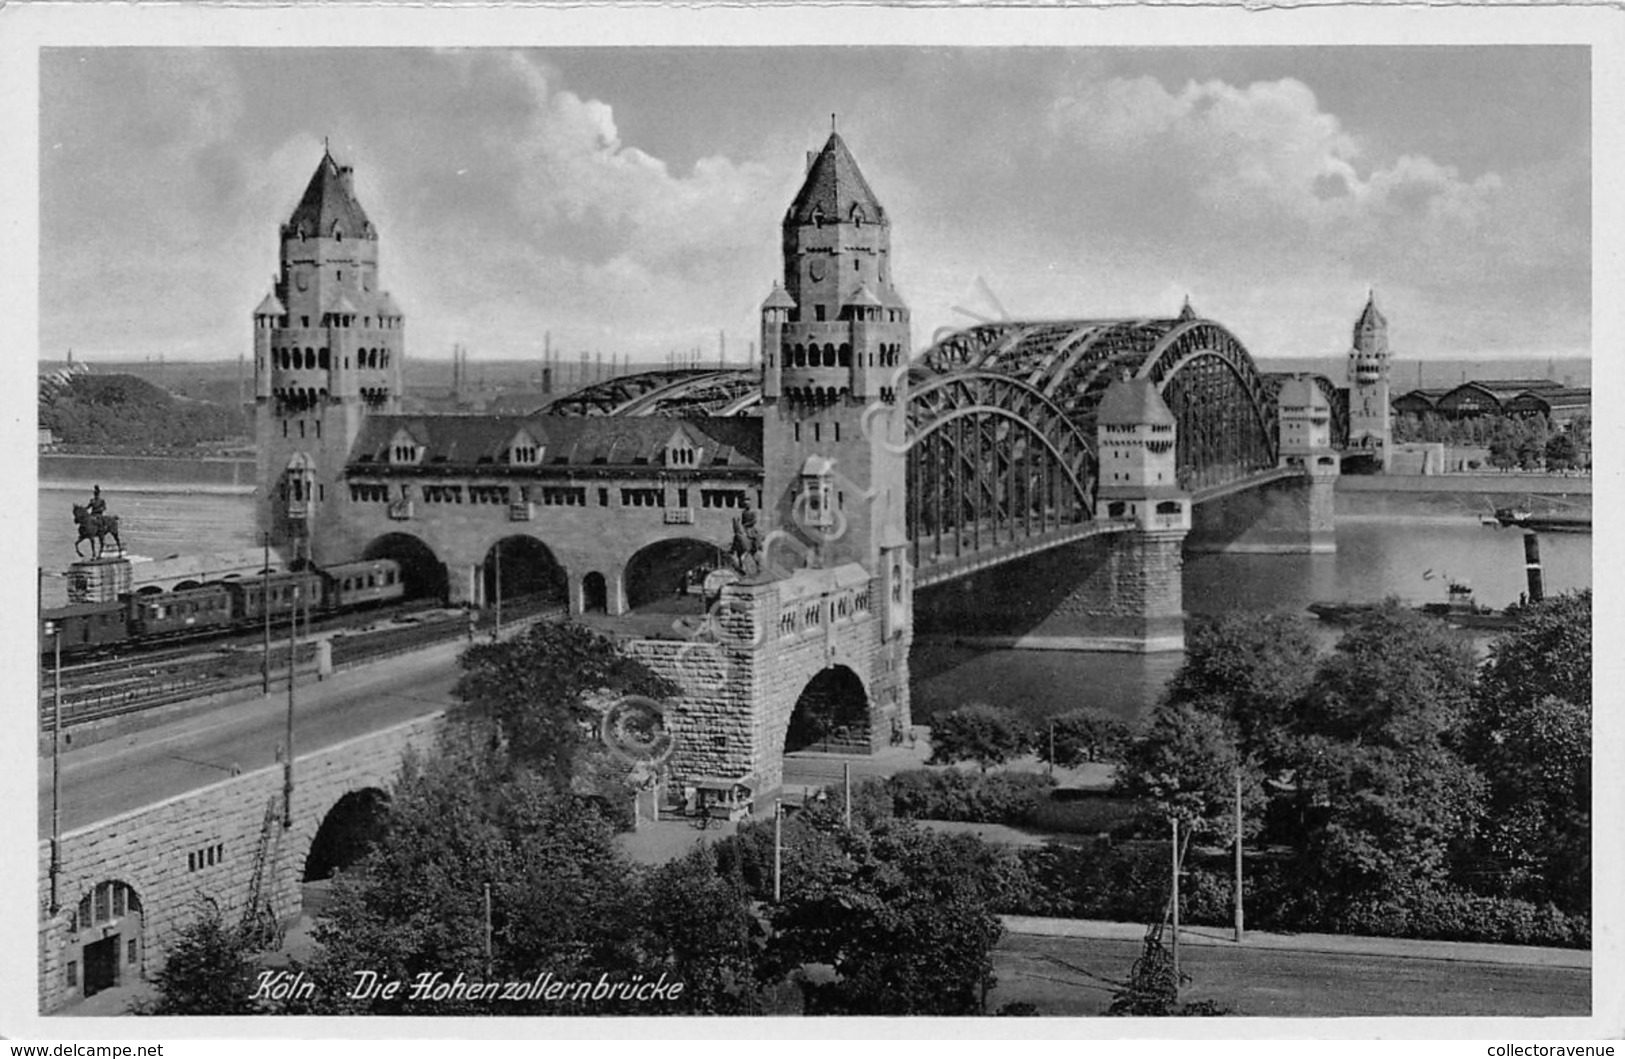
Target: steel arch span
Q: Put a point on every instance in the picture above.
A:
(1224, 405)
(991, 461)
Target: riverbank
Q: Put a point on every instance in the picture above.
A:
(1514, 483)
(150, 488)
(170, 474)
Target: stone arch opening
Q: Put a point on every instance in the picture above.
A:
(347, 834)
(106, 941)
(424, 575)
(832, 714)
(523, 567)
(667, 572)
(594, 594)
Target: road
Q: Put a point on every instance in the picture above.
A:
(107, 778)
(1077, 976)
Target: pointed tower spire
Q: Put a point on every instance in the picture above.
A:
(329, 200)
(833, 187)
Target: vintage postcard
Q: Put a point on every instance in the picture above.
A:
(1019, 522)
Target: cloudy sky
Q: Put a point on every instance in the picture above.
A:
(628, 200)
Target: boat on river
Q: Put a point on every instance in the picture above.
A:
(1459, 609)
(1548, 523)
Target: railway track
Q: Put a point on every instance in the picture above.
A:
(132, 685)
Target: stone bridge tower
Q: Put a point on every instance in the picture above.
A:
(835, 339)
(1370, 406)
(328, 347)
(813, 651)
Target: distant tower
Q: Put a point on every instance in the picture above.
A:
(328, 349)
(835, 337)
(1370, 408)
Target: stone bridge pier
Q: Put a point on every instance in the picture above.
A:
(1291, 516)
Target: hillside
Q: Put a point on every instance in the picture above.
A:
(126, 414)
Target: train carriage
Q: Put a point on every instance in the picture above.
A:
(249, 598)
(84, 626)
(365, 583)
(185, 612)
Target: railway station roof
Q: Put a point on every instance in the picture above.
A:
(465, 441)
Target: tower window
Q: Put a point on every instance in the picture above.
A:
(818, 313)
(304, 321)
(818, 432)
(837, 432)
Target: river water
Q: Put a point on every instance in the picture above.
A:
(1388, 544)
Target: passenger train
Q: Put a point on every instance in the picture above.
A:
(217, 607)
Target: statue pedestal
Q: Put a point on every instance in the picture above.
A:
(99, 580)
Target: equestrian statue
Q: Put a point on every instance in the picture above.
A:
(746, 547)
(95, 525)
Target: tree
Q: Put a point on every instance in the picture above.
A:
(1395, 677)
(1530, 734)
(1084, 735)
(978, 732)
(561, 893)
(535, 689)
(1548, 654)
(1383, 797)
(694, 923)
(1562, 454)
(1185, 765)
(1252, 671)
(209, 970)
(901, 915)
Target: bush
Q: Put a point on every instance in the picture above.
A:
(1278, 902)
(957, 794)
(1085, 735)
(978, 732)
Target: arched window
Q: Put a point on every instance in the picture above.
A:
(829, 354)
(845, 356)
(322, 358)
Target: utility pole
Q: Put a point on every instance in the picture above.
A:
(287, 756)
(265, 605)
(846, 770)
(488, 930)
(778, 841)
(496, 633)
(1052, 748)
(55, 629)
(1175, 905)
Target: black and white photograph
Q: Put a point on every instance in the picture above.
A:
(1041, 523)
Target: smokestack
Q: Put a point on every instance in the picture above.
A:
(1531, 562)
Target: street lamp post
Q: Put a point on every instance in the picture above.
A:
(1239, 931)
(265, 605)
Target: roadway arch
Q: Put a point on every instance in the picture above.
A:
(660, 570)
(522, 566)
(831, 713)
(421, 570)
(347, 833)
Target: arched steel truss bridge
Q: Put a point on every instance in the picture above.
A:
(1001, 424)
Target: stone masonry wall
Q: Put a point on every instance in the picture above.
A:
(741, 688)
(147, 850)
(582, 540)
